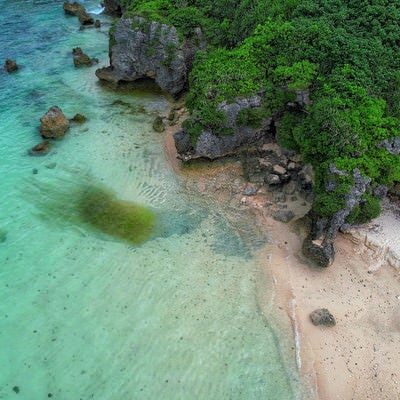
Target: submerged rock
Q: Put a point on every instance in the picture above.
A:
(81, 59)
(40, 149)
(54, 124)
(79, 118)
(322, 316)
(10, 65)
(158, 124)
(3, 236)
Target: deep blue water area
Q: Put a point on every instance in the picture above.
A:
(85, 314)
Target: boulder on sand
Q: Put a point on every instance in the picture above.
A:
(322, 316)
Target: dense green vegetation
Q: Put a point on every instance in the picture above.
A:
(345, 52)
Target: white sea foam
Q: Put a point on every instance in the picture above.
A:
(97, 11)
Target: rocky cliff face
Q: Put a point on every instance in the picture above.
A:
(210, 145)
(140, 48)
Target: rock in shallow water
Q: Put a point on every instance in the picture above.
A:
(158, 124)
(40, 149)
(10, 65)
(54, 124)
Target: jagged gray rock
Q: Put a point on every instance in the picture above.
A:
(158, 124)
(392, 145)
(183, 142)
(210, 145)
(140, 48)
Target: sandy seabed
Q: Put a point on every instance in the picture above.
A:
(359, 357)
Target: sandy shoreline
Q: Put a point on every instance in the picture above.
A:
(359, 358)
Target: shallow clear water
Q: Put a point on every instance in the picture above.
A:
(84, 315)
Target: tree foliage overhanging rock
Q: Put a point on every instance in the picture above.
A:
(313, 68)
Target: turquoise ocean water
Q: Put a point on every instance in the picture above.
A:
(88, 316)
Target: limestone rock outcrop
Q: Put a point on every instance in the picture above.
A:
(210, 145)
(141, 49)
(54, 124)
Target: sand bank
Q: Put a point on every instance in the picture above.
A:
(359, 358)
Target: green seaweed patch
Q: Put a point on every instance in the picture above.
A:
(93, 207)
(125, 220)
